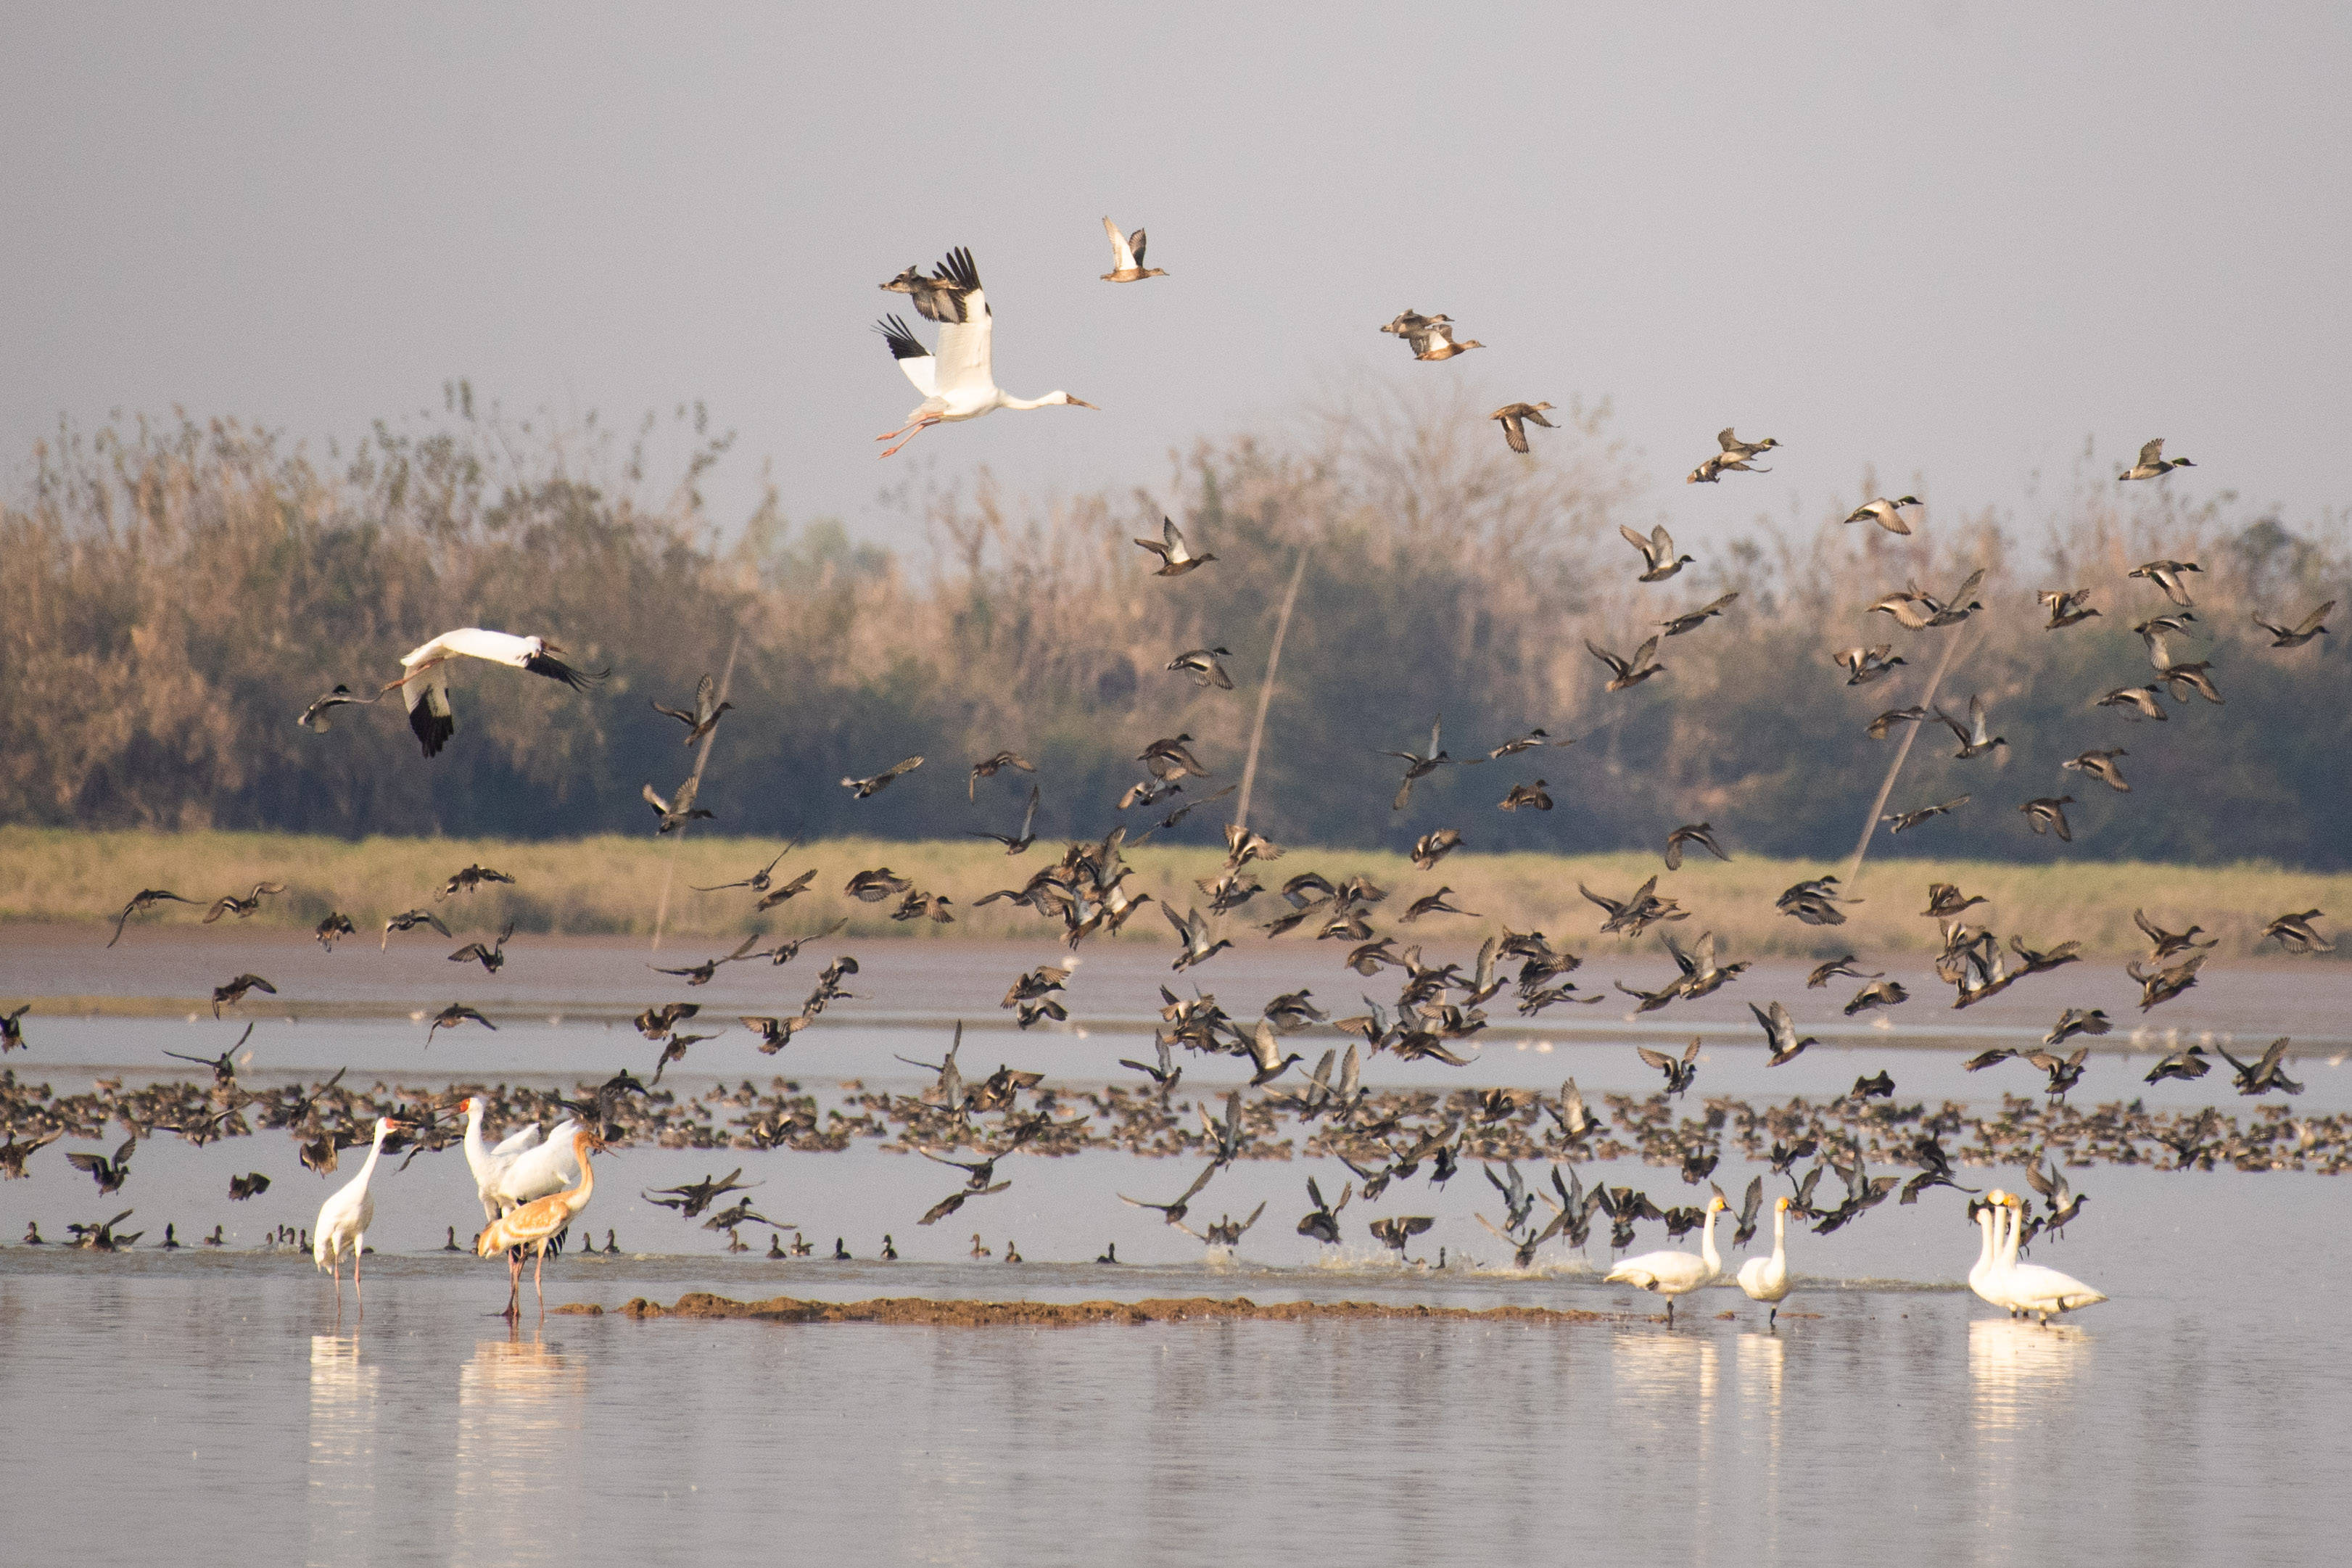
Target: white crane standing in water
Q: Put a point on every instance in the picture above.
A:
(343, 1220)
(957, 382)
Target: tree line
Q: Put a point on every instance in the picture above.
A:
(173, 593)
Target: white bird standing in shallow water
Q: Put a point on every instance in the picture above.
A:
(2029, 1286)
(343, 1220)
(959, 382)
(1673, 1273)
(489, 1162)
(537, 1223)
(426, 685)
(1767, 1278)
(535, 1170)
(1987, 1216)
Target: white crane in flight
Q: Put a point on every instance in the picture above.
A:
(425, 686)
(957, 382)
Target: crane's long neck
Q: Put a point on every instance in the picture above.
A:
(375, 1152)
(1707, 1245)
(1781, 1236)
(478, 1152)
(577, 1198)
(1006, 400)
(2012, 1232)
(1986, 1218)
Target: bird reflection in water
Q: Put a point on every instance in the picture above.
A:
(521, 1408)
(1760, 1363)
(343, 1410)
(1674, 1376)
(2016, 1368)
(1761, 1359)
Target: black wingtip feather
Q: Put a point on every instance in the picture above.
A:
(959, 269)
(433, 728)
(556, 670)
(901, 337)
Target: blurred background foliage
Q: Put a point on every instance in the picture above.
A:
(172, 594)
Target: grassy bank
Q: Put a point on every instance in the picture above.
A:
(613, 885)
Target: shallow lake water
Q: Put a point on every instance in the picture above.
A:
(209, 1404)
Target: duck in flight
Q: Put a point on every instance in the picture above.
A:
(959, 381)
(1975, 737)
(1418, 765)
(2153, 464)
(320, 715)
(703, 717)
(1887, 514)
(1864, 665)
(1019, 843)
(1127, 256)
(1176, 557)
(759, 880)
(2101, 765)
(1691, 620)
(409, 919)
(2168, 575)
(140, 902)
(989, 767)
(1658, 556)
(449, 1017)
(866, 789)
(1737, 456)
(235, 991)
(1431, 337)
(2048, 815)
(1627, 673)
(492, 957)
(2295, 636)
(679, 809)
(242, 907)
(1205, 666)
(2067, 606)
(1515, 417)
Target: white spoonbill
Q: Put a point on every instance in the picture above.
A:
(2029, 1286)
(957, 382)
(343, 1220)
(425, 686)
(1767, 1278)
(540, 1222)
(1673, 1273)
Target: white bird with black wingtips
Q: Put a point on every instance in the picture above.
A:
(959, 381)
(425, 686)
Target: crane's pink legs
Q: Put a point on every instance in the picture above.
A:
(910, 432)
(358, 1246)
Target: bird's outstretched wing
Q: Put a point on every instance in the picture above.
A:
(965, 353)
(913, 358)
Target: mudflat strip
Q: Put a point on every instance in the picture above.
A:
(929, 1313)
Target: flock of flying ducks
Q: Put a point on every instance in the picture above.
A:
(532, 1185)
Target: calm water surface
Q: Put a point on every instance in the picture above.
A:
(212, 1399)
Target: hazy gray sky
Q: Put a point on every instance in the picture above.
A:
(1949, 240)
